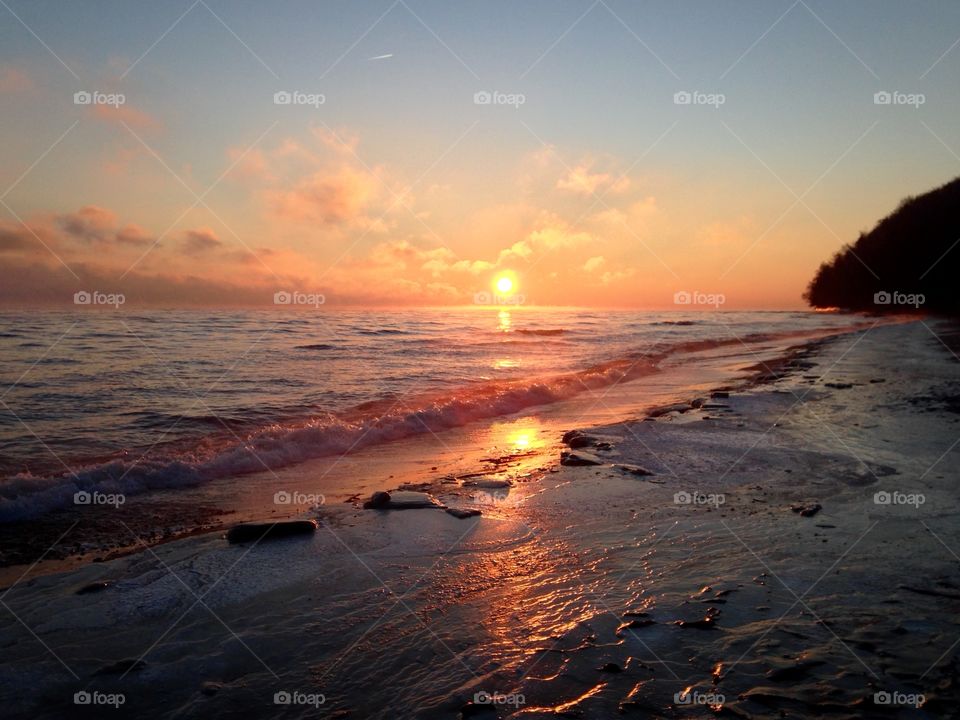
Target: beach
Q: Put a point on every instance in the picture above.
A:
(783, 546)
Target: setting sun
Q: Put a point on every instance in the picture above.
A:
(504, 284)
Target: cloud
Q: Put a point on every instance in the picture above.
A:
(594, 263)
(581, 181)
(200, 240)
(326, 198)
(90, 223)
(124, 115)
(134, 235)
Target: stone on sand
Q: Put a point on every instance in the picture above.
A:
(576, 459)
(402, 500)
(246, 532)
(463, 513)
(488, 483)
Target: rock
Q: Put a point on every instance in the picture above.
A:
(635, 625)
(697, 403)
(839, 385)
(463, 513)
(874, 381)
(576, 459)
(807, 510)
(488, 483)
(210, 688)
(719, 394)
(634, 470)
(409, 500)
(121, 667)
(577, 439)
(705, 623)
(666, 409)
(610, 667)
(378, 500)
(93, 587)
(247, 532)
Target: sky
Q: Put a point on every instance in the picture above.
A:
(597, 153)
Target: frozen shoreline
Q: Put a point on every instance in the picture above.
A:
(411, 613)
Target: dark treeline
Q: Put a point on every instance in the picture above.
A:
(907, 263)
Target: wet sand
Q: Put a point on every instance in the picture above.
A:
(714, 585)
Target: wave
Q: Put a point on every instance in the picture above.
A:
(316, 346)
(24, 496)
(525, 331)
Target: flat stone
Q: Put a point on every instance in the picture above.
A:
(488, 483)
(575, 459)
(634, 470)
(378, 500)
(93, 587)
(411, 500)
(248, 532)
(463, 513)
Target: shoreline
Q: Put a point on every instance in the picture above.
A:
(95, 534)
(591, 590)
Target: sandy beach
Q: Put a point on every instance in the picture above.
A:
(784, 546)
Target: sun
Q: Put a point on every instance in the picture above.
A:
(504, 284)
